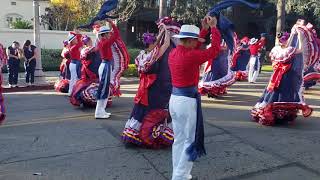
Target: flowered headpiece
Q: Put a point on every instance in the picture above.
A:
(283, 37)
(85, 39)
(148, 38)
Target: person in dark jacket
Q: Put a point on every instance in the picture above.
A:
(13, 63)
(30, 55)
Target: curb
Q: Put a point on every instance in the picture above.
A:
(28, 88)
(51, 86)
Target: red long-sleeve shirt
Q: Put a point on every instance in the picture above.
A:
(184, 63)
(255, 48)
(75, 49)
(104, 45)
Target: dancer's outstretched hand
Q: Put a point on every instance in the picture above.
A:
(212, 21)
(204, 23)
(109, 21)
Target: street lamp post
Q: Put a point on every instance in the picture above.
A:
(36, 37)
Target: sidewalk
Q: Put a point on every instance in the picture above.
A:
(46, 82)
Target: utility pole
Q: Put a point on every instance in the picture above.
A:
(36, 37)
(162, 8)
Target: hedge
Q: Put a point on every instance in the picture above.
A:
(131, 71)
(51, 59)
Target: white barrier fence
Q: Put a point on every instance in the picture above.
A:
(49, 39)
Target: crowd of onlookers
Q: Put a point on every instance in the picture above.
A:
(13, 55)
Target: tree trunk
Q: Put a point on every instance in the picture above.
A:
(163, 8)
(172, 4)
(281, 13)
(67, 24)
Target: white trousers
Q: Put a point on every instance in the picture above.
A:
(101, 103)
(183, 111)
(253, 74)
(74, 76)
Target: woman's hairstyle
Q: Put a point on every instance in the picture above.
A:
(27, 43)
(16, 43)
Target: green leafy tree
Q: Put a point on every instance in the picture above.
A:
(191, 11)
(21, 24)
(307, 9)
(63, 15)
(128, 8)
(58, 17)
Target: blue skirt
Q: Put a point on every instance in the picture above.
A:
(219, 68)
(290, 85)
(242, 61)
(160, 91)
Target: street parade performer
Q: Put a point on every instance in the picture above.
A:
(3, 61)
(114, 58)
(149, 122)
(90, 61)
(75, 45)
(62, 85)
(312, 76)
(185, 101)
(312, 73)
(283, 97)
(218, 75)
(104, 44)
(240, 60)
(254, 62)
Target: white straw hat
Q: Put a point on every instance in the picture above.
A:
(189, 31)
(71, 36)
(104, 29)
(253, 41)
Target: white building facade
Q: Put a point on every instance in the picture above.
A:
(11, 10)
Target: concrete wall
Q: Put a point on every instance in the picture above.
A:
(49, 39)
(23, 8)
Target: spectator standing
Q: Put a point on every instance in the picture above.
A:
(13, 63)
(30, 62)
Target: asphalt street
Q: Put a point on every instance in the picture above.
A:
(45, 138)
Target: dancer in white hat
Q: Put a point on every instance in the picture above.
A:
(75, 45)
(106, 39)
(254, 62)
(185, 102)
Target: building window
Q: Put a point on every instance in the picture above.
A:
(13, 3)
(9, 20)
